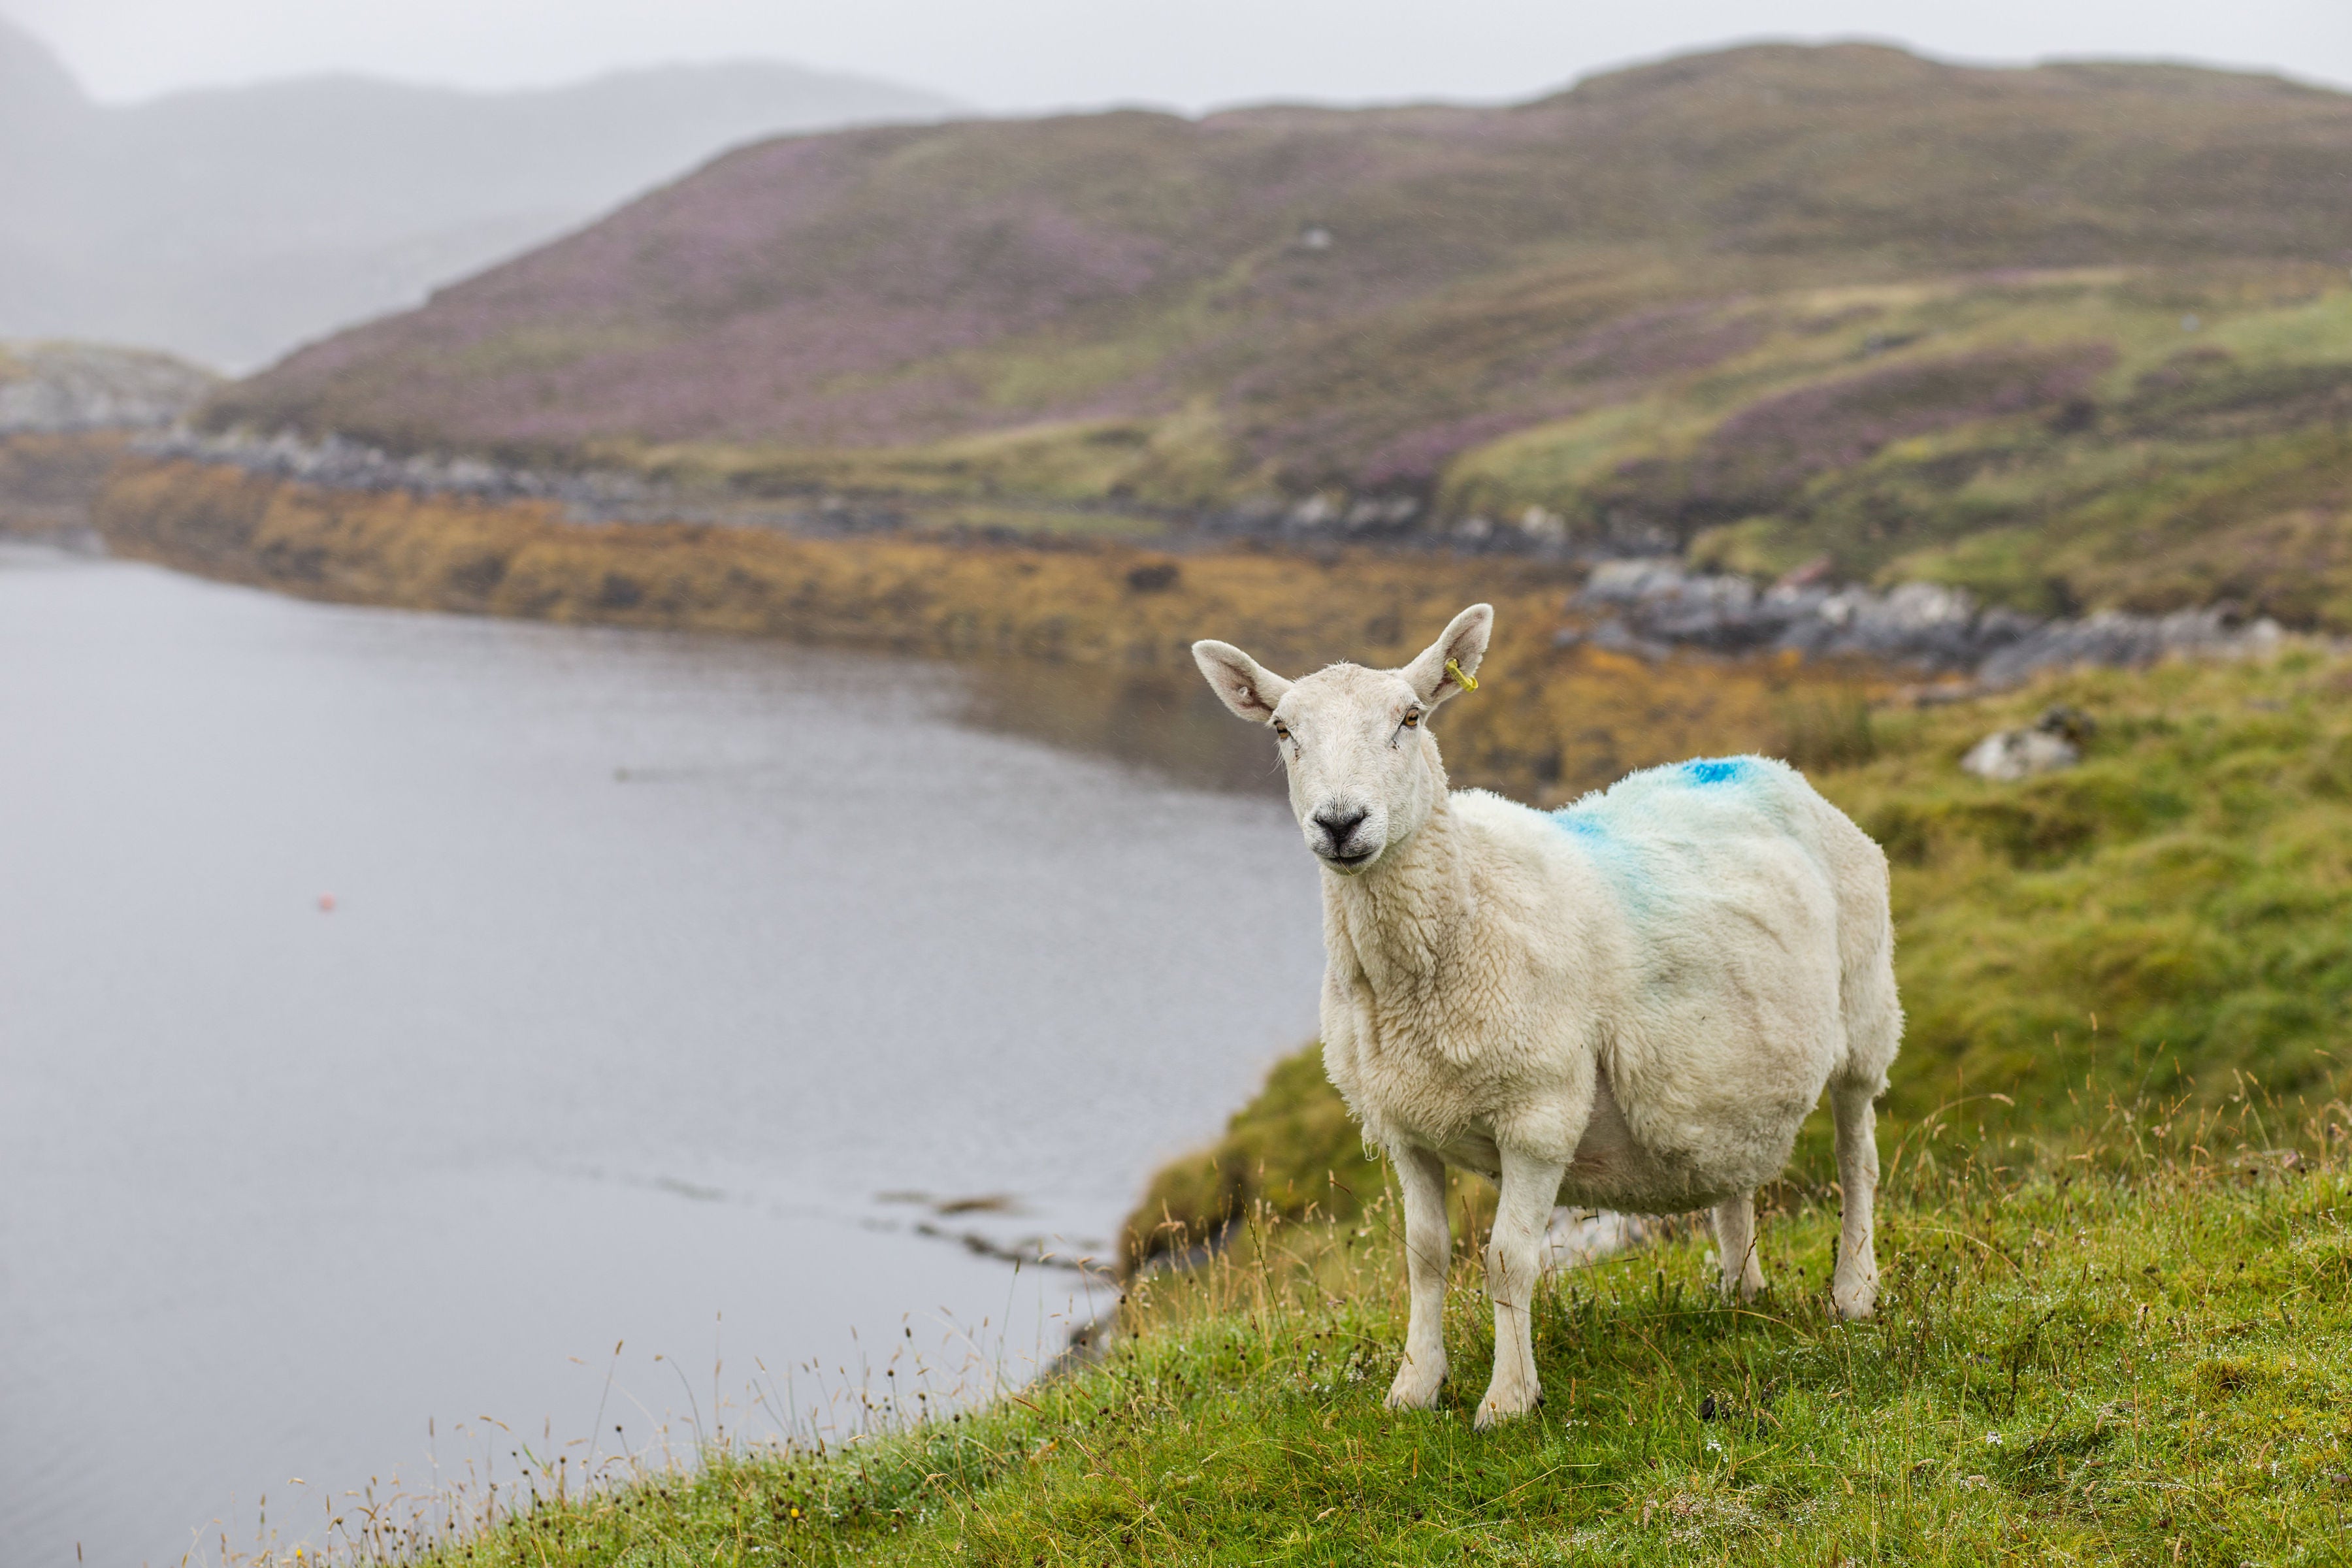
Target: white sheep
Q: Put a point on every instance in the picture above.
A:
(1631, 1003)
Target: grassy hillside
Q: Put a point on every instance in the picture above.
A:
(2147, 1361)
(2073, 335)
(2172, 917)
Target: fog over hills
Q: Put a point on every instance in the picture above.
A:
(230, 224)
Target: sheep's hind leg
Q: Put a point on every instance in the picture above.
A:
(1734, 1245)
(1529, 1187)
(1853, 1290)
(1428, 1253)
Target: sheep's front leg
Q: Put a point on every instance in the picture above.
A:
(1854, 1290)
(1428, 1252)
(1529, 1187)
(1734, 1245)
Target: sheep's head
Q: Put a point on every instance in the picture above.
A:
(1364, 770)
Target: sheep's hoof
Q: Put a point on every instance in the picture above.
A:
(1852, 1300)
(1497, 1408)
(1415, 1390)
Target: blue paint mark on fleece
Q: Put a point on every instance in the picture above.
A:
(1729, 770)
(1613, 855)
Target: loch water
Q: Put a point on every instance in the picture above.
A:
(425, 1039)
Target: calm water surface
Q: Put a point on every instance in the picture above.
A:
(670, 985)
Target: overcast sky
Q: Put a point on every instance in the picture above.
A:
(1015, 55)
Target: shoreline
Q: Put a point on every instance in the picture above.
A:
(1558, 718)
(1598, 672)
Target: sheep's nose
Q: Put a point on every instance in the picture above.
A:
(1339, 822)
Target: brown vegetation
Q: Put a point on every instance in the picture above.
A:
(1547, 723)
(47, 482)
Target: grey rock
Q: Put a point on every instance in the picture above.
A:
(2113, 637)
(1922, 625)
(2006, 756)
(341, 464)
(1613, 636)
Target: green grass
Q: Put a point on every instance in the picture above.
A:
(2179, 906)
(2147, 1360)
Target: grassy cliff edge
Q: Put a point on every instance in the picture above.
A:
(2147, 1360)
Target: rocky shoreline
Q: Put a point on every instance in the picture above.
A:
(1651, 607)
(612, 495)
(1648, 607)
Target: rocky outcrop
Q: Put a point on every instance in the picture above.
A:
(1652, 607)
(337, 463)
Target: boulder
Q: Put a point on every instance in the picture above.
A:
(2005, 756)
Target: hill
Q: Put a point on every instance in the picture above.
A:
(2075, 335)
(61, 388)
(229, 224)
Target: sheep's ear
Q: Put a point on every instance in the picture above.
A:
(1464, 644)
(1248, 688)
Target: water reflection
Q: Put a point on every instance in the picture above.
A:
(1164, 719)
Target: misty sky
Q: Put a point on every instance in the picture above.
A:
(1013, 55)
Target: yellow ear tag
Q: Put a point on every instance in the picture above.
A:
(1453, 668)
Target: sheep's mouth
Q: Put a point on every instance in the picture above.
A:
(1350, 862)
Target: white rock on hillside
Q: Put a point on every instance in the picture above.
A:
(2005, 756)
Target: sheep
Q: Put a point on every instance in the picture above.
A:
(1631, 1003)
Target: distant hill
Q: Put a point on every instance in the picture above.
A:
(1990, 326)
(230, 224)
(59, 389)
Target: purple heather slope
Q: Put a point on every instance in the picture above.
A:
(1364, 290)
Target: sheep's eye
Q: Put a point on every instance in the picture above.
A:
(1282, 731)
(1412, 718)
